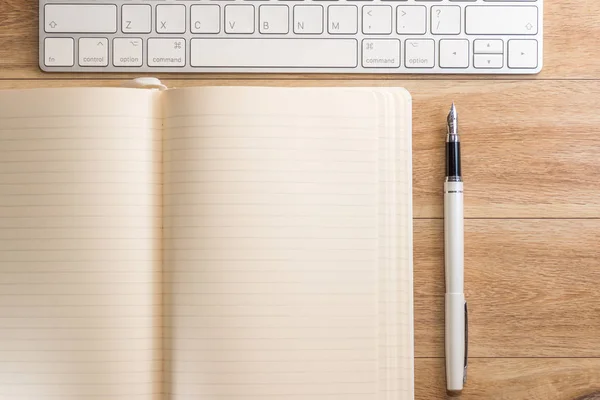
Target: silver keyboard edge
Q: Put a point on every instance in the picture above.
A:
(188, 69)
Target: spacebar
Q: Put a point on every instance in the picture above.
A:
(274, 53)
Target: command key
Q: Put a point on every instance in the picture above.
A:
(381, 53)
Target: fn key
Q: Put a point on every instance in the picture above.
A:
(59, 52)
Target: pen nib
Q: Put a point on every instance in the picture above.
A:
(453, 121)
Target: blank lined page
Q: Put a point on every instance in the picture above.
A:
(80, 244)
(284, 273)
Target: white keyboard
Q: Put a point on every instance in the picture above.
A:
(315, 36)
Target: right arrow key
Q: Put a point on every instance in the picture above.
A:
(522, 53)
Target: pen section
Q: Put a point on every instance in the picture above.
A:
(453, 167)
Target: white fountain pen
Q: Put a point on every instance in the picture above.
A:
(456, 306)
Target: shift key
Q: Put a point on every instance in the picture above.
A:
(80, 18)
(501, 20)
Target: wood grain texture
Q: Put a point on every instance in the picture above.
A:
(514, 379)
(530, 149)
(572, 37)
(591, 396)
(531, 284)
(531, 287)
(531, 155)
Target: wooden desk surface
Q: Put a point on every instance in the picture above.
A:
(531, 150)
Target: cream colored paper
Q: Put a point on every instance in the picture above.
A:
(80, 192)
(288, 237)
(287, 244)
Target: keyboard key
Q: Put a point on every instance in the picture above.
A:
(522, 53)
(343, 20)
(136, 18)
(127, 52)
(494, 46)
(80, 18)
(454, 53)
(93, 52)
(166, 52)
(429, 36)
(420, 53)
(273, 19)
(239, 18)
(411, 20)
(488, 61)
(308, 19)
(381, 53)
(377, 20)
(205, 18)
(501, 20)
(274, 53)
(170, 18)
(445, 20)
(59, 52)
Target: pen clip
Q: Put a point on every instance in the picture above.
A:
(466, 343)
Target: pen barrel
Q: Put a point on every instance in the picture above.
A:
(455, 345)
(454, 237)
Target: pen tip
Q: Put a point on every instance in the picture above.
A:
(452, 120)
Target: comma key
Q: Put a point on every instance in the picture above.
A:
(381, 53)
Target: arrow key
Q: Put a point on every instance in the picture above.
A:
(454, 53)
(488, 61)
(495, 46)
(522, 53)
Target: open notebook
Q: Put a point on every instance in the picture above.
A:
(214, 243)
